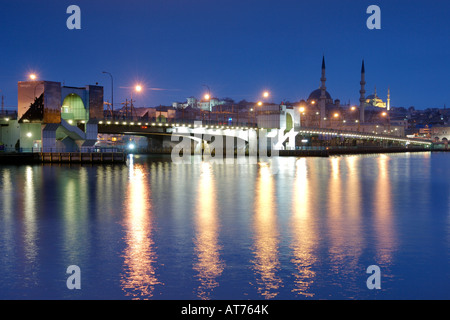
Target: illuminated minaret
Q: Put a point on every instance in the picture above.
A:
(362, 92)
(388, 106)
(323, 97)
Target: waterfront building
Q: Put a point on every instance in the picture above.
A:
(52, 117)
(371, 116)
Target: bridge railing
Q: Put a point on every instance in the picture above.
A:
(182, 121)
(356, 134)
(61, 150)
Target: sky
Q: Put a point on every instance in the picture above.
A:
(179, 48)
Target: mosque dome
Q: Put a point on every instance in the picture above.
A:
(315, 95)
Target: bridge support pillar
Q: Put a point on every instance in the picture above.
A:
(252, 143)
(154, 142)
(198, 146)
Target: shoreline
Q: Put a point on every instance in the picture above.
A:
(108, 158)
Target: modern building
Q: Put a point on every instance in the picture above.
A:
(52, 117)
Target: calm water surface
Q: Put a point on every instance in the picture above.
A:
(157, 230)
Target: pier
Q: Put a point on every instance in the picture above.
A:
(63, 157)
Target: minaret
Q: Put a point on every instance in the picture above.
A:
(323, 97)
(388, 106)
(362, 92)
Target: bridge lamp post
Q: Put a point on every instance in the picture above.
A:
(386, 114)
(258, 104)
(137, 89)
(336, 117)
(112, 93)
(301, 111)
(207, 97)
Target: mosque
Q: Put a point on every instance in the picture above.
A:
(371, 115)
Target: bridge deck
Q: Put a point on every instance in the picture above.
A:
(124, 127)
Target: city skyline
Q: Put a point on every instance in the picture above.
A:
(237, 49)
(233, 151)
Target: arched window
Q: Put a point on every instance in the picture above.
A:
(73, 108)
(289, 122)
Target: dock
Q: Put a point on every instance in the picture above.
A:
(63, 157)
(82, 157)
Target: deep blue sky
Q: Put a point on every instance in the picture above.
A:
(238, 48)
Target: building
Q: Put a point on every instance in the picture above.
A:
(204, 104)
(373, 101)
(52, 117)
(440, 133)
(372, 114)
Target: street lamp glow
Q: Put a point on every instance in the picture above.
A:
(336, 115)
(207, 96)
(266, 94)
(138, 88)
(301, 109)
(32, 76)
(260, 103)
(384, 114)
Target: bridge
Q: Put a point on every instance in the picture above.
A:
(283, 138)
(69, 119)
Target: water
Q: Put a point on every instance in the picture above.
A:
(158, 230)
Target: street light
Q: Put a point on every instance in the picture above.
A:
(112, 92)
(208, 97)
(266, 94)
(32, 76)
(385, 114)
(138, 89)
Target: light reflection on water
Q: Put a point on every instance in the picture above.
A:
(153, 229)
(304, 242)
(266, 263)
(139, 276)
(30, 228)
(207, 263)
(384, 228)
